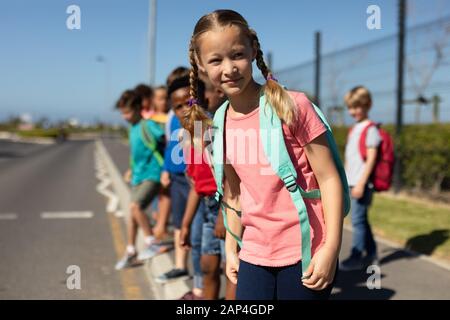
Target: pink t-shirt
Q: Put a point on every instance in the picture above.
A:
(272, 235)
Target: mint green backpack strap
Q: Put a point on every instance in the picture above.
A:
(272, 139)
(218, 162)
(337, 160)
(149, 142)
(131, 162)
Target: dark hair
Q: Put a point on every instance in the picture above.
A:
(130, 99)
(161, 87)
(178, 72)
(144, 91)
(123, 98)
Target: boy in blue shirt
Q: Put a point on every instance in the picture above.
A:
(146, 140)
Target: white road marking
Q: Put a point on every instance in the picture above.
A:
(67, 215)
(8, 216)
(102, 187)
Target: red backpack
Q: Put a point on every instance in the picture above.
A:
(384, 167)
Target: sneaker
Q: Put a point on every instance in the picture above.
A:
(173, 275)
(352, 263)
(126, 262)
(190, 296)
(153, 250)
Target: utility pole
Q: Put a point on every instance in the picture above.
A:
(317, 69)
(400, 76)
(152, 39)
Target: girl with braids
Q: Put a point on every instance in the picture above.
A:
(267, 267)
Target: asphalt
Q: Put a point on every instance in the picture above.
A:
(36, 253)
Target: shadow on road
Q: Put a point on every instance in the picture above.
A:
(422, 244)
(427, 243)
(9, 154)
(352, 285)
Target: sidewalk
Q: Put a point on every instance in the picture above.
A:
(116, 165)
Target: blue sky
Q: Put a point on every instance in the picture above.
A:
(48, 70)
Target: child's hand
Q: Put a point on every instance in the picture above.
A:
(185, 237)
(321, 271)
(127, 176)
(357, 191)
(165, 179)
(232, 266)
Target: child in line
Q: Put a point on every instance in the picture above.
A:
(162, 207)
(146, 94)
(267, 267)
(145, 173)
(359, 102)
(201, 201)
(173, 177)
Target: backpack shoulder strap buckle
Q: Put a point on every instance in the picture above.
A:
(290, 183)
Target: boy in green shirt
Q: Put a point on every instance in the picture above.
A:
(146, 140)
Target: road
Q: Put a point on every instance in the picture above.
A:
(37, 252)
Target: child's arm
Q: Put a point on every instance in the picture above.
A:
(358, 190)
(231, 197)
(191, 208)
(219, 228)
(323, 265)
(127, 175)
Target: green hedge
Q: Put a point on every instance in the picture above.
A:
(424, 151)
(42, 133)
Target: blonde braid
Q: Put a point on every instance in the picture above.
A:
(278, 98)
(193, 74)
(261, 64)
(195, 112)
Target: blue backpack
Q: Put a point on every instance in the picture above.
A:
(281, 164)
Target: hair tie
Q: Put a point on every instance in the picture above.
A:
(192, 101)
(271, 77)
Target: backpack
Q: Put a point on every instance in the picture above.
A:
(381, 176)
(150, 142)
(282, 166)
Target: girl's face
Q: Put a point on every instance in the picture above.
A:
(160, 100)
(226, 55)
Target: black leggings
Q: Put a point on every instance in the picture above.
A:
(275, 283)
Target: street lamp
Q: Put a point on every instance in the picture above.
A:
(152, 39)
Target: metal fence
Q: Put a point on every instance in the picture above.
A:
(373, 64)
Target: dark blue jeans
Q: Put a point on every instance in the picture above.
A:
(275, 283)
(362, 233)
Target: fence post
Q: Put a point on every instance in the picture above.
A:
(317, 69)
(400, 77)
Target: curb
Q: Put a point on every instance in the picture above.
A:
(15, 138)
(157, 265)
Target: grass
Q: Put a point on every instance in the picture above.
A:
(419, 226)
